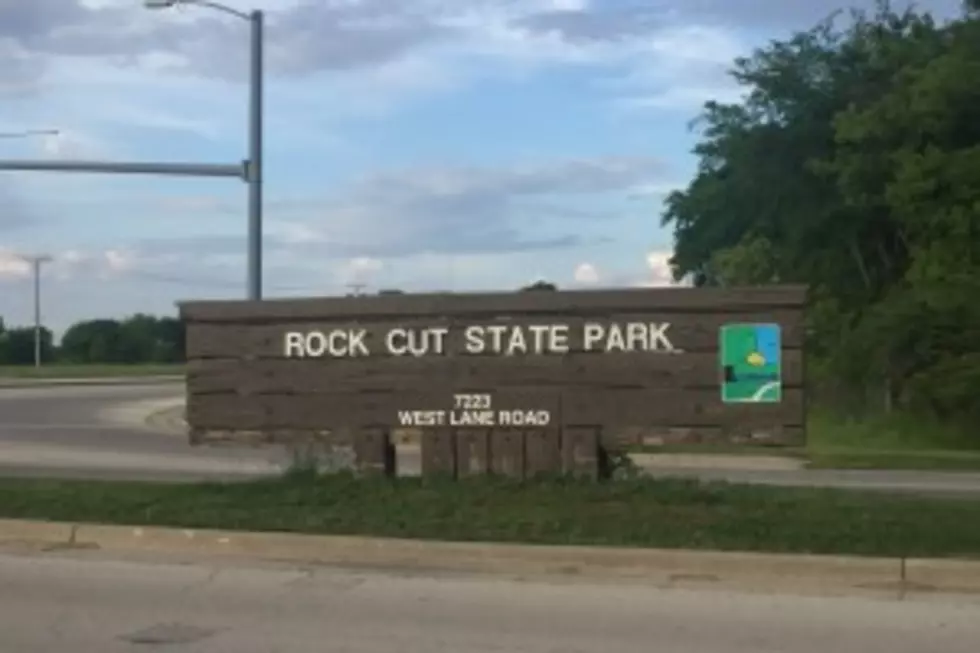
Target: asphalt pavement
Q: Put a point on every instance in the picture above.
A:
(101, 431)
(93, 603)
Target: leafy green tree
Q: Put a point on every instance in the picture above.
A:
(136, 339)
(170, 340)
(853, 166)
(913, 157)
(92, 341)
(17, 346)
(539, 285)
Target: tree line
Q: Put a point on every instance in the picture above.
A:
(136, 339)
(853, 166)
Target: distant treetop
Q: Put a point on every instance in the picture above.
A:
(540, 285)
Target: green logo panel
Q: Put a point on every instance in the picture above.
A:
(751, 363)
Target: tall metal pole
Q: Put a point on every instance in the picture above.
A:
(27, 133)
(255, 158)
(37, 312)
(36, 262)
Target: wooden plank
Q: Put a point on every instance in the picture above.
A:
(542, 452)
(507, 452)
(580, 451)
(438, 452)
(712, 300)
(576, 407)
(473, 444)
(472, 452)
(692, 370)
(350, 409)
(280, 412)
(689, 332)
(631, 407)
(708, 436)
(373, 451)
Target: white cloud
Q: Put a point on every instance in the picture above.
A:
(673, 39)
(13, 265)
(374, 50)
(132, 114)
(106, 67)
(75, 144)
(83, 284)
(586, 274)
(658, 274)
(680, 67)
(459, 224)
(680, 98)
(459, 210)
(119, 261)
(360, 271)
(77, 264)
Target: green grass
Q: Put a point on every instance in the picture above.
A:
(895, 441)
(58, 371)
(949, 461)
(637, 513)
(894, 432)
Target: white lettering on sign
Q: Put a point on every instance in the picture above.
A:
(472, 418)
(508, 340)
(416, 342)
(338, 343)
(523, 418)
(422, 417)
(515, 418)
(474, 410)
(632, 337)
(471, 402)
(493, 339)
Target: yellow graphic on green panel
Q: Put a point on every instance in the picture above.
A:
(751, 363)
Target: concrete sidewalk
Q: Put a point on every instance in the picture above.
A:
(87, 601)
(823, 575)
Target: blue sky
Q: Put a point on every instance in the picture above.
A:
(414, 144)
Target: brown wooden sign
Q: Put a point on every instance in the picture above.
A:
(486, 374)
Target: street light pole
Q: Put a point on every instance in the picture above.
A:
(36, 262)
(27, 133)
(253, 166)
(255, 122)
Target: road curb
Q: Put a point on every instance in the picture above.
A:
(883, 577)
(116, 380)
(170, 420)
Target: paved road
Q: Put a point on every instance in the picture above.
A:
(94, 604)
(101, 432)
